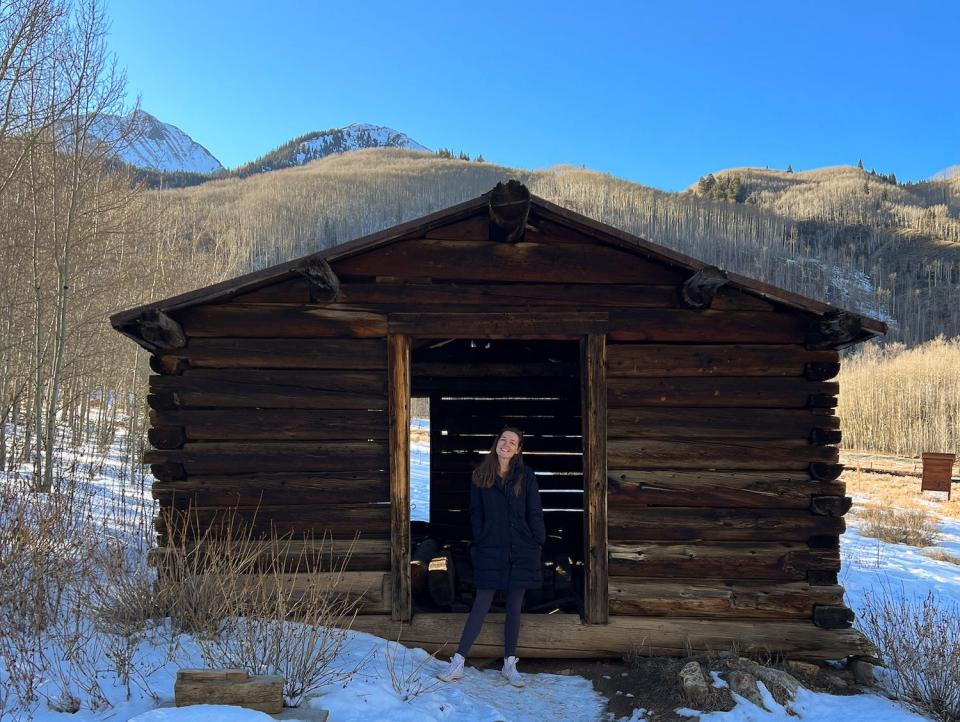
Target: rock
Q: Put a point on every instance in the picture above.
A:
(745, 684)
(835, 681)
(795, 666)
(782, 685)
(863, 672)
(694, 684)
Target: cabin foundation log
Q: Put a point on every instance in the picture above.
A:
(564, 635)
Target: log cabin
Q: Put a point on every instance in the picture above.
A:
(679, 418)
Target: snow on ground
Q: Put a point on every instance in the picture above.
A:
(483, 696)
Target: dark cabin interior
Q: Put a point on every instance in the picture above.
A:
(475, 387)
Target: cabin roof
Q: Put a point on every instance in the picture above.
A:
(540, 209)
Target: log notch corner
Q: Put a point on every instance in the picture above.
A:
(834, 329)
(509, 208)
(698, 290)
(324, 284)
(156, 329)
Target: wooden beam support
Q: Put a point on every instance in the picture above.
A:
(593, 366)
(830, 505)
(324, 283)
(833, 616)
(398, 405)
(159, 330)
(509, 208)
(834, 329)
(698, 290)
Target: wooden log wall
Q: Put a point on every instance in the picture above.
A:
(260, 434)
(713, 509)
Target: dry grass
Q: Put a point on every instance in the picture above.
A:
(897, 492)
(942, 555)
(914, 527)
(902, 401)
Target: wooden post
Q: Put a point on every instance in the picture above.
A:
(593, 375)
(398, 393)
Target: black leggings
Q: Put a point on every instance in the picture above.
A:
(511, 628)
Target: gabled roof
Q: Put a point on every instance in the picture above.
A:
(540, 209)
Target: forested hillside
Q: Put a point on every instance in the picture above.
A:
(840, 235)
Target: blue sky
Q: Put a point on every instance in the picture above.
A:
(659, 93)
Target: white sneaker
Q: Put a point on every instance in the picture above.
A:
(510, 671)
(454, 670)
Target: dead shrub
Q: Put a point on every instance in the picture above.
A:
(942, 555)
(265, 605)
(919, 640)
(914, 527)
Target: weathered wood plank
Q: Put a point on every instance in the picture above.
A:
(691, 524)
(241, 458)
(481, 443)
(564, 635)
(660, 360)
(753, 490)
(593, 363)
(717, 392)
(739, 600)
(492, 261)
(716, 423)
(246, 388)
(509, 324)
(343, 486)
(709, 326)
(398, 369)
(788, 561)
(370, 520)
(721, 454)
(291, 555)
(496, 386)
(283, 353)
(501, 296)
(275, 424)
(477, 369)
(267, 320)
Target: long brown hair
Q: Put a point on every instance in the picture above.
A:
(485, 474)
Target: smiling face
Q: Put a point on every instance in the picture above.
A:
(507, 447)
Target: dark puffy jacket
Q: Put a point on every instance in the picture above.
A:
(508, 533)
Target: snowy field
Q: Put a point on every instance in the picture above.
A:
(483, 696)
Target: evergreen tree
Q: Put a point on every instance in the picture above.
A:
(860, 164)
(789, 168)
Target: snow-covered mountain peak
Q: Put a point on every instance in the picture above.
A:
(156, 145)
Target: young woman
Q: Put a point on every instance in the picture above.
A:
(508, 533)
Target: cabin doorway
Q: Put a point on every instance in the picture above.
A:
(470, 388)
